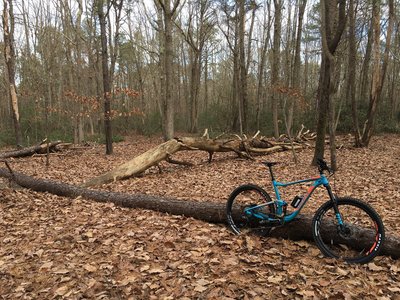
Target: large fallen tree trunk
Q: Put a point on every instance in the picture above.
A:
(28, 151)
(207, 211)
(242, 147)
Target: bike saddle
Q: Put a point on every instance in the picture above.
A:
(269, 163)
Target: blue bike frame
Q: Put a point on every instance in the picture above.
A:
(280, 204)
(321, 180)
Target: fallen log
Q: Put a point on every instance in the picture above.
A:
(209, 211)
(29, 151)
(242, 147)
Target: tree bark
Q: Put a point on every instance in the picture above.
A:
(9, 56)
(261, 65)
(297, 63)
(276, 63)
(351, 77)
(199, 29)
(106, 78)
(38, 149)
(152, 157)
(243, 93)
(379, 69)
(209, 211)
(333, 20)
(167, 56)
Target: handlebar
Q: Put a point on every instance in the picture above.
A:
(323, 166)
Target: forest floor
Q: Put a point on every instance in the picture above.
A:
(53, 247)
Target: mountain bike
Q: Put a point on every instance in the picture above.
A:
(344, 228)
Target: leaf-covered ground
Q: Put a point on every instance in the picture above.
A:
(53, 247)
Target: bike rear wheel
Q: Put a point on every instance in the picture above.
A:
(247, 209)
(361, 237)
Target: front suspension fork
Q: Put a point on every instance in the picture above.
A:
(335, 207)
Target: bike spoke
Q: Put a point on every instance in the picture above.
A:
(358, 239)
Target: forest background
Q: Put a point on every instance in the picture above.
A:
(74, 70)
(99, 70)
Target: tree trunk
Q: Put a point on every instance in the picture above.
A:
(323, 106)
(351, 77)
(199, 29)
(237, 114)
(106, 78)
(296, 65)
(9, 56)
(242, 67)
(276, 64)
(332, 14)
(379, 72)
(365, 69)
(167, 64)
(38, 149)
(209, 211)
(261, 65)
(243, 148)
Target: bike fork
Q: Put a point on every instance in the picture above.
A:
(335, 206)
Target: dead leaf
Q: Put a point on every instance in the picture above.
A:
(302, 244)
(89, 234)
(202, 282)
(214, 261)
(342, 272)
(306, 293)
(249, 243)
(39, 253)
(92, 282)
(394, 289)
(144, 268)
(61, 271)
(324, 282)
(275, 279)
(61, 291)
(65, 279)
(90, 268)
(394, 268)
(128, 280)
(155, 270)
(200, 288)
(201, 256)
(231, 261)
(373, 267)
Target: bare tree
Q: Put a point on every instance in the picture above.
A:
(276, 63)
(106, 76)
(243, 93)
(379, 69)
(9, 56)
(200, 24)
(168, 10)
(297, 62)
(266, 35)
(333, 21)
(351, 76)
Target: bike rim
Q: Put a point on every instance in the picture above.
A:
(347, 242)
(248, 212)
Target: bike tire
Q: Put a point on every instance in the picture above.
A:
(243, 197)
(356, 215)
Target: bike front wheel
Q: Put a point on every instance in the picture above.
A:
(248, 209)
(358, 240)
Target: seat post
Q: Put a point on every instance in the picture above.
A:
(269, 165)
(270, 171)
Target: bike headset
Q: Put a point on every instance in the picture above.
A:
(323, 166)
